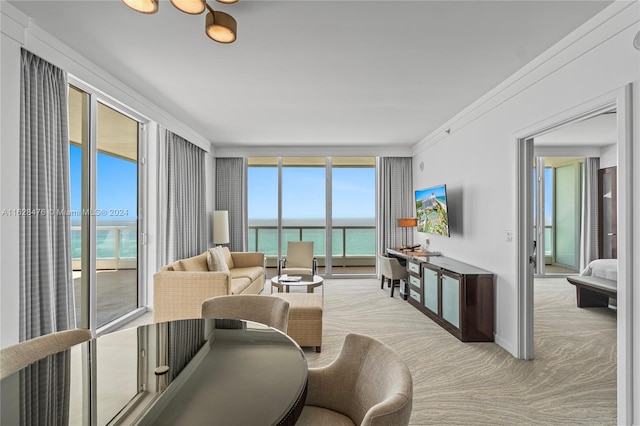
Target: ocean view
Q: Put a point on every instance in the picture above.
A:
(349, 238)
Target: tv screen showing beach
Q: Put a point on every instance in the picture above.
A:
(431, 210)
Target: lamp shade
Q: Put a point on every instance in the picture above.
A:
(221, 27)
(192, 7)
(407, 222)
(221, 227)
(142, 6)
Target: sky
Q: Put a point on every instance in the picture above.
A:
(303, 190)
(116, 195)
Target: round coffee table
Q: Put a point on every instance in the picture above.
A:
(310, 281)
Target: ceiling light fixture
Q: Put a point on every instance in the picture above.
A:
(142, 6)
(219, 26)
(636, 41)
(192, 7)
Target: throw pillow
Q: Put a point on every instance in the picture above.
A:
(215, 260)
(227, 256)
(196, 263)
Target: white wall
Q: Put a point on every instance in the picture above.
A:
(477, 160)
(11, 38)
(608, 156)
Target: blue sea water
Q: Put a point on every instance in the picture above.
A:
(348, 241)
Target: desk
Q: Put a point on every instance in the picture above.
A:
(457, 296)
(183, 372)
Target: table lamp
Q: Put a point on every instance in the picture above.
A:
(406, 222)
(221, 227)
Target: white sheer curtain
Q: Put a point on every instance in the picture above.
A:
(231, 195)
(395, 199)
(46, 285)
(589, 228)
(184, 228)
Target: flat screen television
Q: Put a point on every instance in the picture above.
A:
(432, 210)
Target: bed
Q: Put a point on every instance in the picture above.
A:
(596, 284)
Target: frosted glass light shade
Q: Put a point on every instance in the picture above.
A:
(142, 6)
(192, 7)
(221, 227)
(221, 27)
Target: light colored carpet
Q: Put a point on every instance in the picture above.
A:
(571, 381)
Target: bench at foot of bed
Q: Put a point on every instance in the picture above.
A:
(592, 292)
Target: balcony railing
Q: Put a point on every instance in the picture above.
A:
(116, 247)
(351, 245)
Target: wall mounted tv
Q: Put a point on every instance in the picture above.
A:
(432, 210)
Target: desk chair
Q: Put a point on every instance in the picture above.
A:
(299, 259)
(392, 270)
(367, 384)
(271, 311)
(15, 358)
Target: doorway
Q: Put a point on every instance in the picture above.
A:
(620, 101)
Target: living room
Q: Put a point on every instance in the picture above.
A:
(475, 150)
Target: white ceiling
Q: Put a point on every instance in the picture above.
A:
(315, 73)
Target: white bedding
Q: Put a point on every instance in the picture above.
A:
(602, 268)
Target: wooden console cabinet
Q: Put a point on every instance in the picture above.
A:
(457, 296)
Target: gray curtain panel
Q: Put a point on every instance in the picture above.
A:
(231, 195)
(46, 285)
(183, 192)
(185, 338)
(589, 231)
(395, 199)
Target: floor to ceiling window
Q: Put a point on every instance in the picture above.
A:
(104, 151)
(557, 211)
(353, 215)
(327, 200)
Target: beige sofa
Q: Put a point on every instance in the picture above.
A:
(180, 288)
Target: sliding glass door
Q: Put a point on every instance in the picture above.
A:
(353, 202)
(104, 190)
(303, 204)
(327, 200)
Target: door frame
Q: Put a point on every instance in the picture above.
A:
(621, 100)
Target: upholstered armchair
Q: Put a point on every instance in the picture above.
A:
(299, 259)
(367, 384)
(15, 358)
(271, 311)
(392, 270)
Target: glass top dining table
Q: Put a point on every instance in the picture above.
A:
(186, 372)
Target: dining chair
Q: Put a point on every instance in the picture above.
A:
(15, 358)
(366, 384)
(271, 311)
(392, 270)
(299, 259)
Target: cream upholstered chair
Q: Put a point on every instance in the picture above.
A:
(367, 384)
(15, 358)
(271, 311)
(392, 270)
(299, 259)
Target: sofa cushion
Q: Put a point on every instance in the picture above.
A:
(238, 285)
(216, 261)
(227, 257)
(194, 264)
(252, 272)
